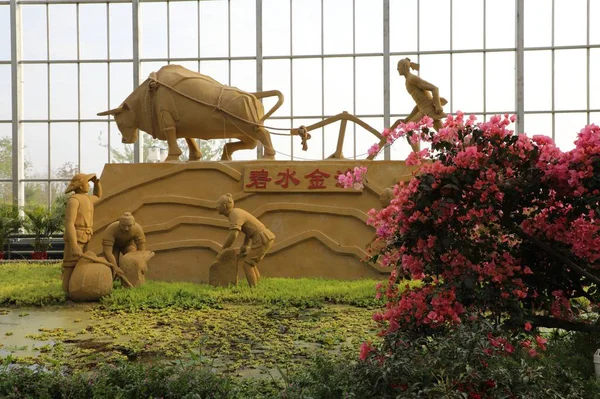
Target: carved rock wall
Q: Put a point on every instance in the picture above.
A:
(320, 228)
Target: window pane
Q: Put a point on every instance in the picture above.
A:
(5, 152)
(33, 32)
(570, 22)
(400, 100)
(64, 149)
(537, 78)
(121, 38)
(276, 76)
(499, 24)
(276, 27)
(403, 25)
(183, 26)
(94, 89)
(500, 82)
(369, 85)
(365, 139)
(36, 193)
(35, 91)
(214, 36)
(570, 79)
(307, 86)
(119, 152)
(434, 25)
(243, 28)
(467, 71)
(243, 75)
(121, 82)
(63, 91)
(5, 93)
(435, 69)
(94, 147)
(6, 191)
(594, 27)
(57, 188)
(35, 151)
(339, 86)
(337, 26)
(467, 24)
(538, 124)
(594, 84)
(567, 128)
(218, 70)
(4, 33)
(92, 31)
(282, 144)
(153, 28)
(538, 23)
(63, 32)
(306, 26)
(369, 26)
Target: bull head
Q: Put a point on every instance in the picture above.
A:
(125, 119)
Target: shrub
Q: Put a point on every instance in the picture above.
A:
(495, 225)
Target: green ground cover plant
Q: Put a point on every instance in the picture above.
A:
(39, 285)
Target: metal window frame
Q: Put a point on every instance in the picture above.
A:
(17, 62)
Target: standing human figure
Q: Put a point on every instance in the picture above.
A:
(79, 219)
(122, 237)
(257, 241)
(425, 94)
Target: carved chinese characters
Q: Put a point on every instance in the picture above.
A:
(294, 178)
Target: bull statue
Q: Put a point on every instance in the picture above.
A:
(178, 103)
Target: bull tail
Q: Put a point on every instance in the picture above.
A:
(270, 93)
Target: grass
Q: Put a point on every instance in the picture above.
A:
(30, 284)
(246, 330)
(40, 285)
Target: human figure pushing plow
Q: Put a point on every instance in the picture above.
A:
(257, 242)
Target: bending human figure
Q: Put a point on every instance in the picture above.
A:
(122, 237)
(257, 241)
(425, 94)
(79, 217)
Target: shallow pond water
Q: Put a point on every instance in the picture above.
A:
(249, 340)
(16, 324)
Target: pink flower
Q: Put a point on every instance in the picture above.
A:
(374, 150)
(365, 349)
(528, 326)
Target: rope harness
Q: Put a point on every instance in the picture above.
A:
(155, 83)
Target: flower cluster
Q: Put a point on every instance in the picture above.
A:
(354, 178)
(486, 224)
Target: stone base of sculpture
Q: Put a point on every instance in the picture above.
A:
(224, 272)
(90, 280)
(135, 265)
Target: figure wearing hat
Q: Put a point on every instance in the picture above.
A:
(122, 237)
(79, 217)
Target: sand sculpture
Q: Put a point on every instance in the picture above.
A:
(135, 265)
(175, 102)
(224, 271)
(79, 217)
(257, 238)
(178, 103)
(425, 94)
(122, 237)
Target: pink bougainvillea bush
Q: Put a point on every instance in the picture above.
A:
(495, 225)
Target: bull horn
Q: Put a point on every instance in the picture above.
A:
(112, 111)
